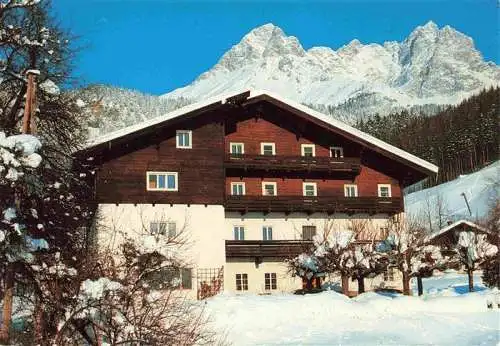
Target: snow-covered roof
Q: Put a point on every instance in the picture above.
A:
(253, 94)
(453, 225)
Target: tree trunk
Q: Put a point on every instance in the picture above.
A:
(38, 322)
(420, 285)
(406, 283)
(361, 285)
(470, 274)
(345, 285)
(7, 304)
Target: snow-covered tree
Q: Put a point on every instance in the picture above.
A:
(307, 267)
(406, 248)
(472, 250)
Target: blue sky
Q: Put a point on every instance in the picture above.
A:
(156, 46)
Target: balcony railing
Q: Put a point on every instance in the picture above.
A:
(327, 204)
(293, 163)
(266, 248)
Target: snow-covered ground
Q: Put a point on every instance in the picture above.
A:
(444, 315)
(480, 188)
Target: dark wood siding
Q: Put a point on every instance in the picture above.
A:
(289, 133)
(122, 176)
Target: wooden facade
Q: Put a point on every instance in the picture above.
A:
(206, 171)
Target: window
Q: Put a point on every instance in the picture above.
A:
(184, 139)
(384, 190)
(162, 181)
(350, 190)
(309, 189)
(163, 228)
(267, 149)
(308, 150)
(336, 152)
(384, 232)
(267, 233)
(270, 281)
(237, 148)
(237, 189)
(308, 232)
(241, 282)
(389, 274)
(169, 277)
(239, 233)
(269, 189)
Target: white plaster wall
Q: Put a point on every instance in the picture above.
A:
(256, 282)
(290, 227)
(203, 229)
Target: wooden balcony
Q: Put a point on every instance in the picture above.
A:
(293, 163)
(326, 204)
(266, 248)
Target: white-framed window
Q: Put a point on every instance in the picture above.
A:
(242, 282)
(168, 228)
(238, 189)
(162, 181)
(269, 188)
(267, 233)
(267, 148)
(239, 232)
(384, 190)
(336, 152)
(350, 190)
(270, 281)
(184, 139)
(237, 148)
(308, 150)
(310, 189)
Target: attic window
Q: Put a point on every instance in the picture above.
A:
(162, 181)
(184, 139)
(384, 190)
(336, 152)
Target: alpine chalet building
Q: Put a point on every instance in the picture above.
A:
(250, 178)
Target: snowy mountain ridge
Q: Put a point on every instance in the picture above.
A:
(431, 66)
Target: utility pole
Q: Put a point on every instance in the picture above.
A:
(28, 127)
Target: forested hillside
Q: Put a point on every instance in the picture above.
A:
(459, 139)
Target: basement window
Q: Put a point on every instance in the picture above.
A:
(168, 278)
(242, 282)
(184, 139)
(161, 181)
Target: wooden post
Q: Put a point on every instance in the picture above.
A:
(29, 108)
(9, 275)
(7, 305)
(420, 285)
